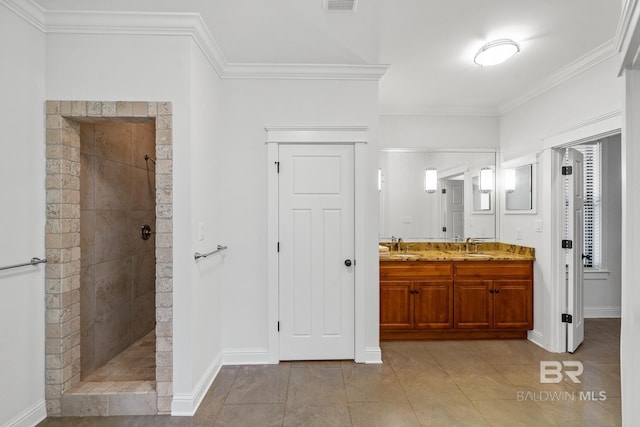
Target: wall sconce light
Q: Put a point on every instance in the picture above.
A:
(486, 180)
(510, 180)
(430, 180)
(379, 179)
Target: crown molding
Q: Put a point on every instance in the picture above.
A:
(627, 35)
(624, 23)
(443, 112)
(305, 71)
(139, 23)
(28, 10)
(185, 25)
(584, 63)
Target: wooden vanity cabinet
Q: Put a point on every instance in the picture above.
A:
(493, 295)
(456, 300)
(416, 298)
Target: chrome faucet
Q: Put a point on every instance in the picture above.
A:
(472, 242)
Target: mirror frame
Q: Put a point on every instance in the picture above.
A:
(514, 164)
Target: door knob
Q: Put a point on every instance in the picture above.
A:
(347, 262)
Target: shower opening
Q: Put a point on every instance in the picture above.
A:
(109, 279)
(117, 266)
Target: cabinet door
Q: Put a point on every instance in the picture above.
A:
(512, 304)
(473, 304)
(433, 304)
(396, 305)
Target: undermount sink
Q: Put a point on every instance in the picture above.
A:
(405, 257)
(475, 255)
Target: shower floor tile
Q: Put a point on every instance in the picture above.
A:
(133, 370)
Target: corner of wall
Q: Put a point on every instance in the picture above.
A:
(186, 404)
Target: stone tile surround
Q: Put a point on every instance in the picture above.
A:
(62, 241)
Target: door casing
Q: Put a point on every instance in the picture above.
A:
(358, 137)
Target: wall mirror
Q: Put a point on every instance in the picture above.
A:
(436, 195)
(518, 190)
(519, 186)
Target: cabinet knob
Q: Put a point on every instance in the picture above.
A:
(347, 262)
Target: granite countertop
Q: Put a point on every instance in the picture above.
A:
(446, 251)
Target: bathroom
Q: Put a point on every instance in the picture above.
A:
(216, 163)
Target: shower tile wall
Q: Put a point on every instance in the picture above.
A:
(117, 196)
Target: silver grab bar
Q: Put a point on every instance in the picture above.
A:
(198, 255)
(34, 261)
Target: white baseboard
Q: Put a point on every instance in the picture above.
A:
(601, 312)
(372, 355)
(186, 405)
(30, 417)
(246, 356)
(536, 337)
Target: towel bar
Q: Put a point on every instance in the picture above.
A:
(198, 255)
(34, 261)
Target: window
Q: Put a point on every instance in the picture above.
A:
(592, 203)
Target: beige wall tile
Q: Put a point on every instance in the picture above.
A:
(87, 138)
(85, 405)
(87, 182)
(112, 234)
(124, 108)
(112, 186)
(143, 141)
(144, 274)
(113, 334)
(112, 285)
(113, 141)
(143, 186)
(143, 316)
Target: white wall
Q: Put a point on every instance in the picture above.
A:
(602, 289)
(205, 325)
(249, 106)
(630, 328)
(439, 132)
(22, 220)
(556, 115)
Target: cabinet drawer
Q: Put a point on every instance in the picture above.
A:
(493, 269)
(415, 269)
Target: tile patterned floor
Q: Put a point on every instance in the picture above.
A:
(132, 371)
(136, 363)
(429, 383)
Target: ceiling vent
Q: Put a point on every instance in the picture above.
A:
(340, 5)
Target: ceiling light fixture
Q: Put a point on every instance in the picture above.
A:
(496, 52)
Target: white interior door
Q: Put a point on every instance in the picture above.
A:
(454, 208)
(574, 232)
(316, 248)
